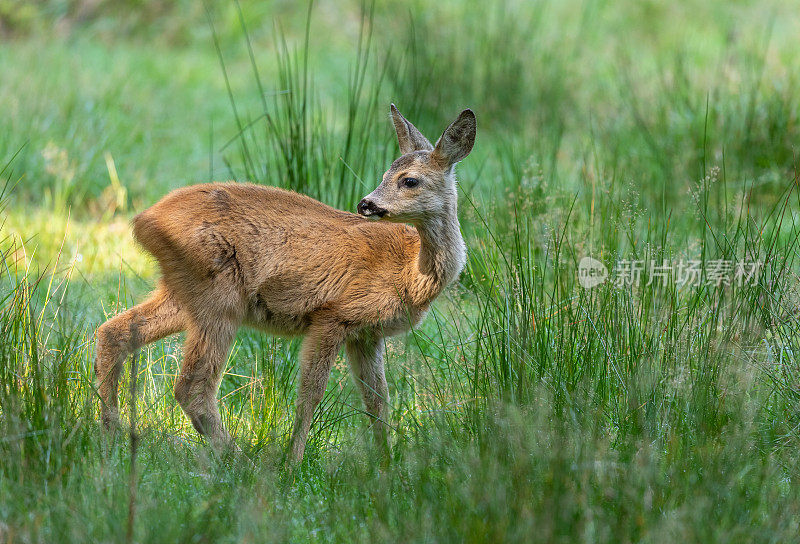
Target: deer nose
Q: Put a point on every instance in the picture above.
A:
(367, 208)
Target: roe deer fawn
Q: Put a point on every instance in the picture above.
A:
(236, 254)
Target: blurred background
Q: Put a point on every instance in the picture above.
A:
(109, 105)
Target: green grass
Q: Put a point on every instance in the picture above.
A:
(525, 408)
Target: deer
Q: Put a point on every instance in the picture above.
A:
(237, 254)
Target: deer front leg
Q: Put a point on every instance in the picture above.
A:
(318, 353)
(365, 353)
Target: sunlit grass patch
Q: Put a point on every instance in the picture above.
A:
(41, 239)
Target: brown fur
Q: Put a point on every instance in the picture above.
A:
(238, 254)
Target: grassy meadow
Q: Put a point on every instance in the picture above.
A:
(526, 408)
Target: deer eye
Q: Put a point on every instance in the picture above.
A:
(409, 182)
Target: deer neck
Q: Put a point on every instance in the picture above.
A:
(442, 253)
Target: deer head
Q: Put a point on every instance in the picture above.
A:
(421, 183)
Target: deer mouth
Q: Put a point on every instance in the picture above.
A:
(367, 208)
(377, 214)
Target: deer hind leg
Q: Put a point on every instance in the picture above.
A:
(157, 317)
(317, 356)
(365, 353)
(204, 355)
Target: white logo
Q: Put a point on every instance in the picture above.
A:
(591, 272)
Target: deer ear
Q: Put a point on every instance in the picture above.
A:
(457, 141)
(409, 138)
